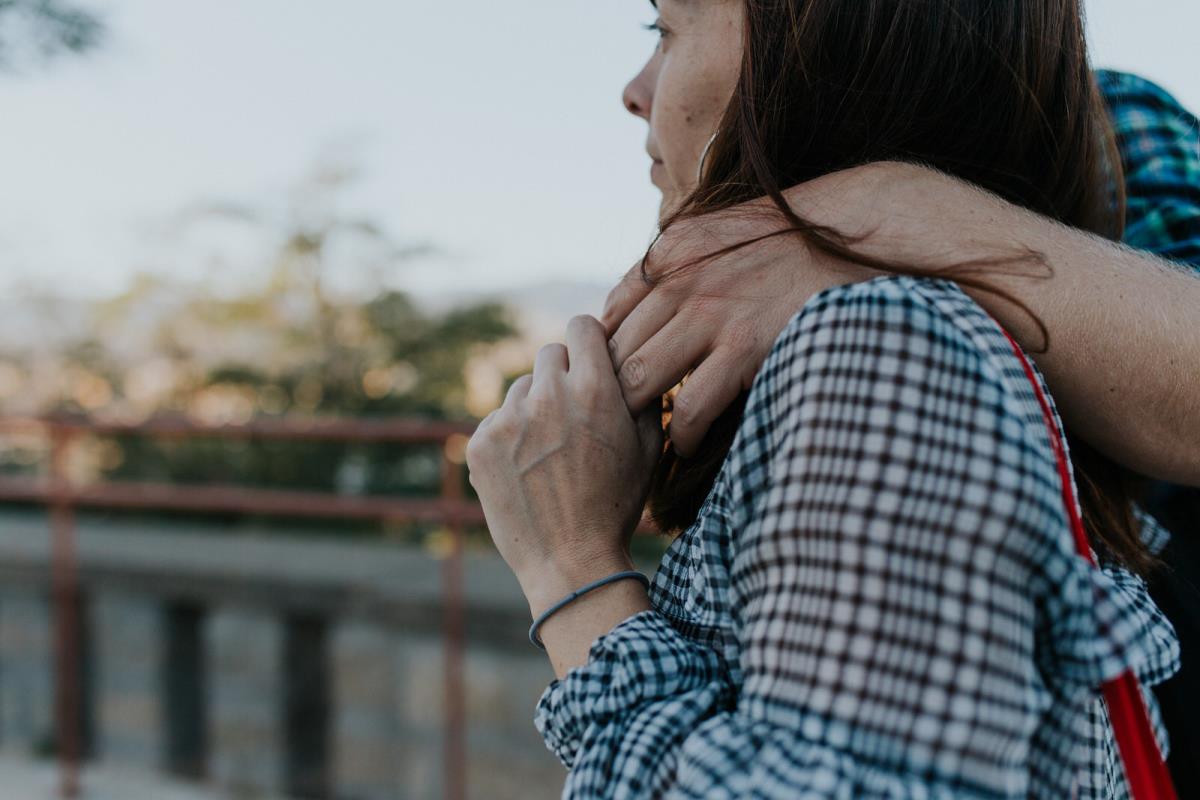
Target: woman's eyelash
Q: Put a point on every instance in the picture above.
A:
(656, 26)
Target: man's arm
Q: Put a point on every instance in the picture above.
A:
(1124, 326)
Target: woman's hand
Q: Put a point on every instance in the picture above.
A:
(562, 468)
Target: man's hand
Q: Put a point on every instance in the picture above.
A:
(1123, 324)
(721, 316)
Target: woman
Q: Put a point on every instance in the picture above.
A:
(875, 591)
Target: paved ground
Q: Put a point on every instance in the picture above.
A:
(25, 779)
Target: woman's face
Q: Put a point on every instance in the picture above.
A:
(684, 88)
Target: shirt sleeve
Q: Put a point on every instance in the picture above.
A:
(905, 587)
(1159, 142)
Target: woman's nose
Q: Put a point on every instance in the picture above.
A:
(638, 96)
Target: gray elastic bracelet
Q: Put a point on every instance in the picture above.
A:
(616, 576)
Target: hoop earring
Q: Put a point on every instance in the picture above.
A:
(703, 157)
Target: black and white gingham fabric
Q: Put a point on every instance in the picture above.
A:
(880, 596)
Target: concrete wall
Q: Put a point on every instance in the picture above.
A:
(127, 639)
(26, 680)
(385, 659)
(245, 708)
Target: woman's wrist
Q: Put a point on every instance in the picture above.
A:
(548, 582)
(569, 632)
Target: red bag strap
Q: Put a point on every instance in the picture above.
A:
(1145, 769)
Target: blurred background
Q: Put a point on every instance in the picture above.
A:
(264, 265)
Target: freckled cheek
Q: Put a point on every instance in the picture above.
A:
(680, 131)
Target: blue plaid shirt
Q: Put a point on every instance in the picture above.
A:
(1159, 142)
(932, 633)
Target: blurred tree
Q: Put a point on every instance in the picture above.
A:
(39, 30)
(290, 344)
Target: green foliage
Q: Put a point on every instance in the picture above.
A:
(287, 345)
(382, 358)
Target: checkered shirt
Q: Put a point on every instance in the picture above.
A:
(880, 596)
(1159, 141)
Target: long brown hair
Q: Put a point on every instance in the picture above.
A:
(1000, 94)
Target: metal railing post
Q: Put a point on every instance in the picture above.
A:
(455, 767)
(62, 499)
(66, 608)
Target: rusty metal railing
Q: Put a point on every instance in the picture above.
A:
(62, 498)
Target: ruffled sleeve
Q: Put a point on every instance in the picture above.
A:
(911, 615)
(618, 720)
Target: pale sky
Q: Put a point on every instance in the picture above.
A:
(492, 129)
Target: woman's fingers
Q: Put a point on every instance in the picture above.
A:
(518, 389)
(587, 350)
(549, 365)
(661, 362)
(623, 298)
(708, 391)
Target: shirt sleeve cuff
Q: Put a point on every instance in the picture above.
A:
(643, 658)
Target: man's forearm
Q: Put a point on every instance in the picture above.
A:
(1124, 326)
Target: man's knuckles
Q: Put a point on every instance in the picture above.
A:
(633, 372)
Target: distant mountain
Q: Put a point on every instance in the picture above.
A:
(541, 312)
(164, 335)
(543, 309)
